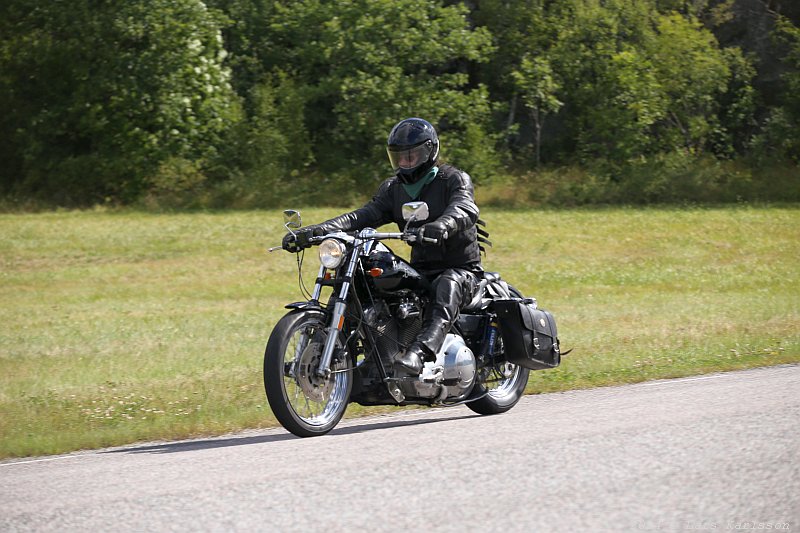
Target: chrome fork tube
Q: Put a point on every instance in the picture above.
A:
(301, 345)
(337, 320)
(318, 285)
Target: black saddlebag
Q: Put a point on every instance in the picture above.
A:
(530, 338)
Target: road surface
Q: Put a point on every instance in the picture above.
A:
(718, 452)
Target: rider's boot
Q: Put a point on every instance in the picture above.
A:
(428, 343)
(412, 360)
(439, 316)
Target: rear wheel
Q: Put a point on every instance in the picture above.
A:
(304, 403)
(503, 387)
(504, 384)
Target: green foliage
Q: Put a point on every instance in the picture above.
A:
(383, 60)
(325, 82)
(99, 95)
(270, 148)
(535, 82)
(779, 137)
(619, 80)
(782, 130)
(596, 46)
(737, 106)
(259, 102)
(692, 72)
(675, 177)
(639, 82)
(176, 183)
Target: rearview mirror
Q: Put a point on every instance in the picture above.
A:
(415, 211)
(291, 219)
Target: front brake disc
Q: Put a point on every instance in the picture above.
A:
(314, 387)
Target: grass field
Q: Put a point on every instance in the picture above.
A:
(126, 326)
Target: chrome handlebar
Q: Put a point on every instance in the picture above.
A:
(370, 234)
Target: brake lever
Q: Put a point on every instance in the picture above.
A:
(431, 240)
(416, 235)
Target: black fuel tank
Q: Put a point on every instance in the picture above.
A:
(391, 273)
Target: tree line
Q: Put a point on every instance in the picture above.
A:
(260, 102)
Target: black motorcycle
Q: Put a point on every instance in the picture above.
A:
(327, 352)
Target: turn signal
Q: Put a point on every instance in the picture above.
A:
(375, 272)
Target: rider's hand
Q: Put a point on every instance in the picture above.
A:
(438, 230)
(289, 243)
(301, 238)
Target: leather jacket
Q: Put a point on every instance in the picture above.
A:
(449, 195)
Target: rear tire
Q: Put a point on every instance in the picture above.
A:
(511, 382)
(304, 403)
(511, 386)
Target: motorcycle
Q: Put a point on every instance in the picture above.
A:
(327, 352)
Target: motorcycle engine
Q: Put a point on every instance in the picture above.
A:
(391, 334)
(449, 378)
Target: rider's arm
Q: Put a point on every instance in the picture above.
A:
(461, 211)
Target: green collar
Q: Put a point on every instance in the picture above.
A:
(414, 189)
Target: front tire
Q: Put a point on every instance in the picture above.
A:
(304, 403)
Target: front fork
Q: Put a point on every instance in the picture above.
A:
(337, 319)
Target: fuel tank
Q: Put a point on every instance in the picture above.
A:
(388, 272)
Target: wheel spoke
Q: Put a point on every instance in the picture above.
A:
(314, 399)
(504, 377)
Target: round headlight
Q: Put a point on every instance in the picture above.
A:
(331, 253)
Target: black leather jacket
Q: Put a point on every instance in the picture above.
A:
(450, 194)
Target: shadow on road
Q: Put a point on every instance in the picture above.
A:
(190, 446)
(360, 428)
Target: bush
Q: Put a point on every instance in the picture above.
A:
(671, 178)
(178, 183)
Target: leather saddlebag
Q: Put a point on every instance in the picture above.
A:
(529, 334)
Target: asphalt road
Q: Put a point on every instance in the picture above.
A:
(718, 452)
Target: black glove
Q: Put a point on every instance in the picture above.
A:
(289, 243)
(301, 238)
(438, 230)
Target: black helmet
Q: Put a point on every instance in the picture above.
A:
(413, 147)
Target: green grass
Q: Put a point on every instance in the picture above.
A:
(126, 326)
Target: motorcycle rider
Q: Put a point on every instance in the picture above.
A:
(453, 263)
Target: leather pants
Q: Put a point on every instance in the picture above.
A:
(451, 290)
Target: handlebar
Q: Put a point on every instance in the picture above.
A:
(411, 236)
(367, 234)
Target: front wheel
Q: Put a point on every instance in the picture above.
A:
(304, 403)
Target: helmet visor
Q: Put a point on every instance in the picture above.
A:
(409, 158)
